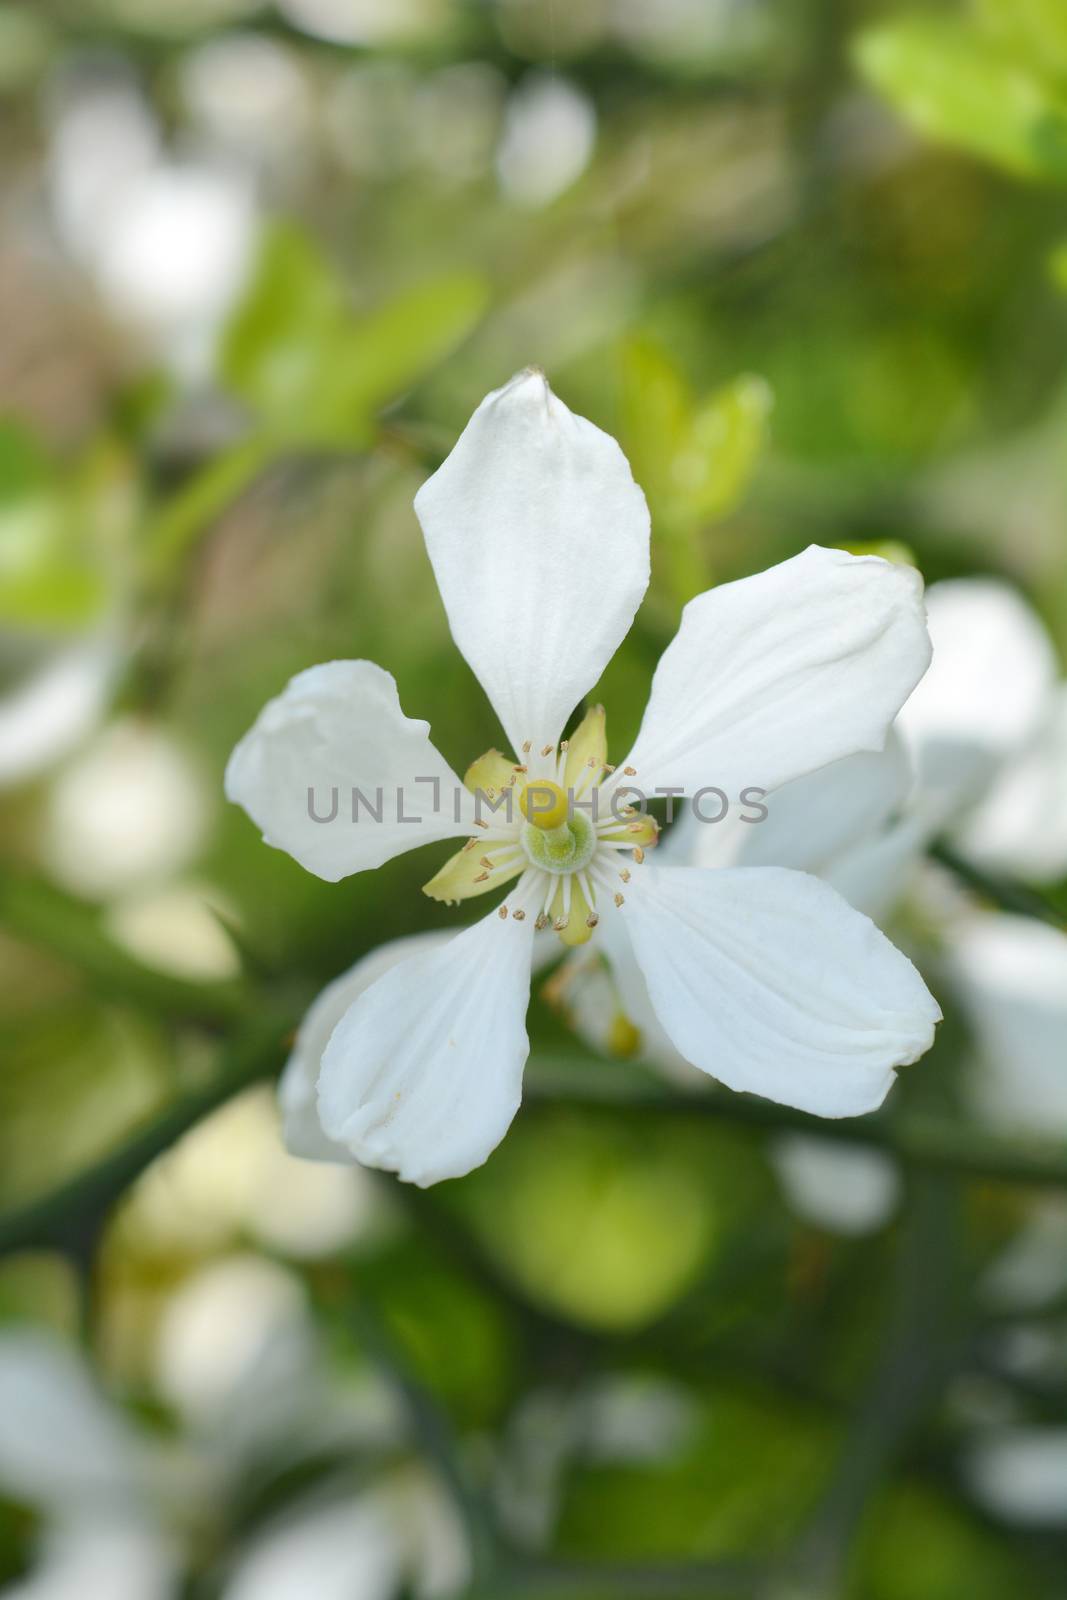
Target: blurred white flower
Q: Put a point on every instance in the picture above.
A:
(230, 1176)
(249, 94)
(174, 928)
(547, 141)
(766, 980)
(129, 811)
(1011, 972)
(100, 1558)
(235, 1346)
(1021, 1474)
(169, 244)
(62, 1443)
(366, 1547)
(844, 1188)
(365, 22)
(54, 705)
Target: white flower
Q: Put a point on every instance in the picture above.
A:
(979, 756)
(765, 978)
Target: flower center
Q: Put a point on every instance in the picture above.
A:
(567, 847)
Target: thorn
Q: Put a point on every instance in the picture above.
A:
(483, 877)
(639, 854)
(502, 913)
(520, 916)
(592, 919)
(629, 772)
(619, 899)
(547, 751)
(625, 874)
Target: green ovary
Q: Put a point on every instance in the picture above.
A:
(566, 848)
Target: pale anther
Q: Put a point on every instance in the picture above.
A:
(526, 747)
(520, 915)
(481, 878)
(629, 772)
(619, 899)
(592, 919)
(625, 874)
(547, 751)
(502, 913)
(639, 854)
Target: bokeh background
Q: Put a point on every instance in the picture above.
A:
(807, 260)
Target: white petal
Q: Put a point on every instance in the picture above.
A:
(845, 1188)
(539, 539)
(54, 706)
(298, 1086)
(61, 1443)
(770, 982)
(1021, 1474)
(985, 694)
(775, 675)
(423, 1074)
(1021, 825)
(877, 874)
(811, 822)
(333, 729)
(337, 1551)
(1012, 974)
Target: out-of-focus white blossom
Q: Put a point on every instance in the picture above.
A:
(46, 713)
(1021, 1474)
(548, 138)
(129, 811)
(844, 1188)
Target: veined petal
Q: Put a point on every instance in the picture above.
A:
(333, 730)
(775, 675)
(302, 1131)
(767, 979)
(984, 697)
(423, 1074)
(539, 540)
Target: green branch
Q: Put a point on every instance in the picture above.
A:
(922, 1142)
(1003, 892)
(34, 911)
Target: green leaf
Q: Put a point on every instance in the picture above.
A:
(50, 575)
(1035, 29)
(693, 459)
(311, 368)
(956, 85)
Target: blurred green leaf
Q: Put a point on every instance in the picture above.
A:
(51, 573)
(694, 460)
(314, 370)
(743, 1481)
(955, 85)
(1035, 29)
(915, 1545)
(624, 1215)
